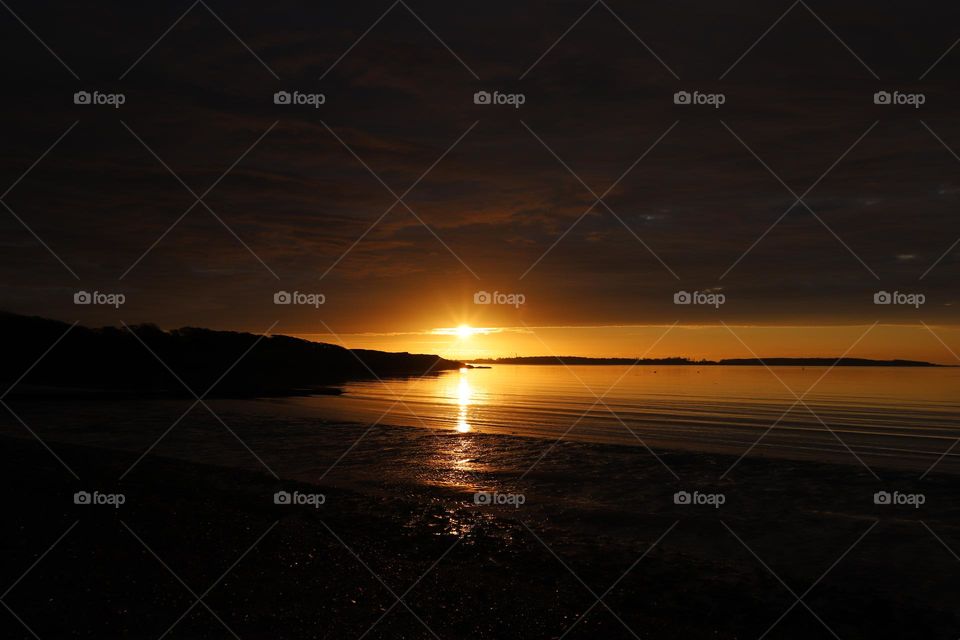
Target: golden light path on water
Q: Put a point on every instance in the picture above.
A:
(464, 398)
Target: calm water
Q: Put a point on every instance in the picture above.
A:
(906, 416)
(464, 428)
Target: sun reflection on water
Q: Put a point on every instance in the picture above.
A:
(464, 399)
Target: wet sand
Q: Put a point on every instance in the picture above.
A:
(476, 571)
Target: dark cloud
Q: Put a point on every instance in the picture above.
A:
(499, 199)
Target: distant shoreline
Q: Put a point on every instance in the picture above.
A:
(727, 362)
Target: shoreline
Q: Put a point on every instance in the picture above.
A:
(501, 578)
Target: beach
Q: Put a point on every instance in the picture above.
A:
(596, 521)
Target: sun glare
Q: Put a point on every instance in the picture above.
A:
(465, 331)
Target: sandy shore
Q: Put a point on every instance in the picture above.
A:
(474, 571)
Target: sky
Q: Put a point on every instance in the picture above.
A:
(586, 209)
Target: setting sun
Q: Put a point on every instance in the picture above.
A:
(465, 331)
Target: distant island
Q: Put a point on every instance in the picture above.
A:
(778, 362)
(118, 361)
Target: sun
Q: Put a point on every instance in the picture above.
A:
(464, 331)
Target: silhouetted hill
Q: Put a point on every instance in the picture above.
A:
(753, 362)
(113, 359)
